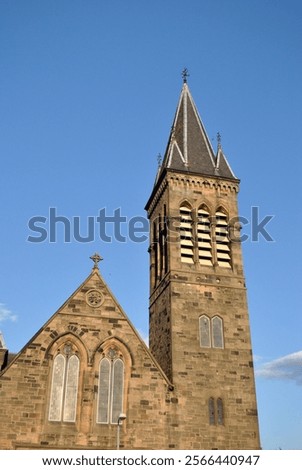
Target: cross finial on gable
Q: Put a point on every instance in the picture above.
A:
(96, 258)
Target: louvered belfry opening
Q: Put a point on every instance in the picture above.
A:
(213, 247)
(205, 254)
(223, 249)
(186, 235)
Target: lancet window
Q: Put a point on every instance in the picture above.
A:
(111, 388)
(64, 386)
(211, 332)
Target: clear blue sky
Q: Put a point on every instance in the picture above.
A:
(88, 91)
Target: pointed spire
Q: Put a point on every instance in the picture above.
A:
(189, 148)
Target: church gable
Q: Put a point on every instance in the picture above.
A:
(86, 366)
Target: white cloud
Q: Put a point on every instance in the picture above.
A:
(257, 359)
(6, 314)
(285, 368)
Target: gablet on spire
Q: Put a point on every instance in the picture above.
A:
(222, 167)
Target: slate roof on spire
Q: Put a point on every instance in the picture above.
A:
(189, 148)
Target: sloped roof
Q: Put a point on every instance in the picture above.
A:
(222, 167)
(189, 148)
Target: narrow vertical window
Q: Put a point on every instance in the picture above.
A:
(64, 387)
(111, 389)
(216, 411)
(165, 234)
(186, 235)
(217, 332)
(204, 237)
(220, 411)
(155, 256)
(104, 387)
(160, 246)
(204, 332)
(223, 250)
(211, 411)
(117, 390)
(71, 389)
(57, 388)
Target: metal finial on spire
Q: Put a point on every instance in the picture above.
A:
(159, 159)
(96, 258)
(219, 140)
(185, 74)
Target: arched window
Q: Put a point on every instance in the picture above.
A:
(217, 332)
(204, 332)
(111, 389)
(223, 250)
(204, 237)
(211, 332)
(186, 235)
(117, 390)
(64, 386)
(104, 391)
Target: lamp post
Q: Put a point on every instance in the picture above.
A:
(121, 418)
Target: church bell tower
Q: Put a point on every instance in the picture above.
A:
(199, 323)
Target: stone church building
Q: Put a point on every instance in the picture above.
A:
(86, 376)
